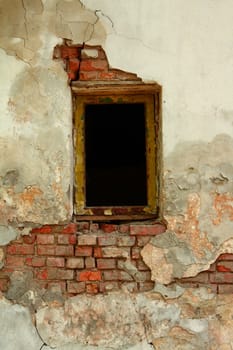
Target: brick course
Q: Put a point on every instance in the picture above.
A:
(90, 258)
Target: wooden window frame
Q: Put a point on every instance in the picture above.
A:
(150, 96)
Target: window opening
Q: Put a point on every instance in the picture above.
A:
(115, 155)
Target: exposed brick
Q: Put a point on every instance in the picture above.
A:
(45, 239)
(106, 264)
(70, 228)
(87, 240)
(107, 75)
(69, 51)
(89, 276)
(93, 65)
(143, 240)
(75, 263)
(46, 250)
(143, 276)
(212, 267)
(136, 253)
(43, 229)
(90, 262)
(4, 284)
(109, 286)
(225, 289)
(202, 277)
(59, 286)
(83, 76)
(125, 241)
(55, 273)
(35, 261)
(221, 277)
(83, 251)
(115, 252)
(29, 239)
(20, 249)
(107, 240)
(226, 256)
(145, 286)
(42, 274)
(129, 286)
(94, 227)
(108, 228)
(147, 230)
(123, 228)
(142, 266)
(121, 264)
(64, 274)
(92, 288)
(76, 287)
(16, 261)
(98, 252)
(63, 250)
(73, 64)
(116, 275)
(225, 266)
(55, 262)
(66, 239)
(83, 226)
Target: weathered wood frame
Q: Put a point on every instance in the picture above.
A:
(150, 96)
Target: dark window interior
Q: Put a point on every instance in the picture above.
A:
(115, 151)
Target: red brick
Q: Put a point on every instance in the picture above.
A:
(108, 228)
(35, 261)
(57, 286)
(226, 256)
(93, 65)
(147, 230)
(83, 226)
(16, 261)
(70, 228)
(89, 276)
(107, 240)
(143, 276)
(136, 253)
(106, 264)
(45, 239)
(225, 289)
(69, 51)
(72, 75)
(125, 241)
(43, 229)
(224, 268)
(75, 263)
(202, 277)
(116, 275)
(42, 274)
(76, 287)
(64, 250)
(90, 262)
(20, 249)
(86, 240)
(4, 284)
(66, 239)
(92, 288)
(98, 252)
(145, 286)
(106, 75)
(83, 76)
(73, 64)
(83, 251)
(64, 274)
(142, 266)
(46, 250)
(94, 227)
(221, 277)
(123, 228)
(143, 240)
(109, 286)
(55, 262)
(115, 252)
(212, 267)
(29, 239)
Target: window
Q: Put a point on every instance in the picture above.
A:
(116, 151)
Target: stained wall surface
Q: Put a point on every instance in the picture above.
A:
(186, 46)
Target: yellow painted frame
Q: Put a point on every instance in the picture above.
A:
(109, 95)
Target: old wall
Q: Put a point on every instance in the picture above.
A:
(187, 47)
